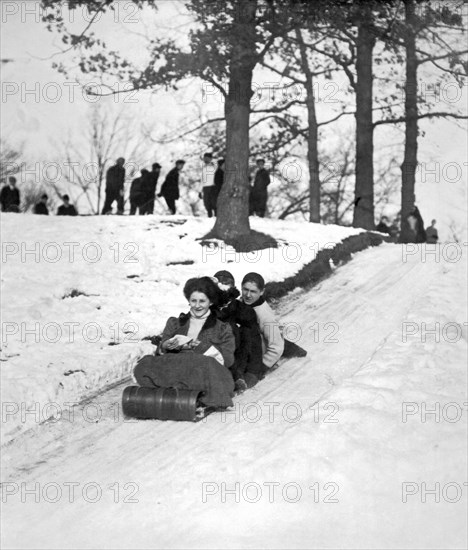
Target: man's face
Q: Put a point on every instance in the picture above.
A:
(251, 293)
(179, 166)
(260, 165)
(206, 159)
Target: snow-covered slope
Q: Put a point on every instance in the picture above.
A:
(335, 450)
(79, 294)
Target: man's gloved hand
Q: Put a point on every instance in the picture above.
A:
(250, 379)
(240, 385)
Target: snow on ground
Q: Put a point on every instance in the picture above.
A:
(58, 347)
(335, 450)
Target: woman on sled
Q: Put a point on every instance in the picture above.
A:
(196, 350)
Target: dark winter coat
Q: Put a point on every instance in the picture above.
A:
(258, 193)
(9, 197)
(170, 187)
(261, 181)
(383, 227)
(213, 333)
(243, 321)
(148, 185)
(41, 208)
(432, 236)
(137, 194)
(69, 210)
(190, 369)
(115, 178)
(150, 181)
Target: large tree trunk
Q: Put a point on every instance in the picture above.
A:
(232, 220)
(312, 135)
(408, 168)
(364, 187)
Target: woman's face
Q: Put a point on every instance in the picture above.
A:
(251, 293)
(199, 304)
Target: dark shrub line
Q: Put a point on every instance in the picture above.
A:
(319, 268)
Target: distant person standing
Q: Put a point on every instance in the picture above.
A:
(416, 226)
(137, 193)
(10, 196)
(115, 179)
(395, 228)
(382, 226)
(150, 183)
(66, 209)
(259, 193)
(432, 235)
(41, 206)
(170, 187)
(208, 185)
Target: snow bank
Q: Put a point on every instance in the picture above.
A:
(80, 294)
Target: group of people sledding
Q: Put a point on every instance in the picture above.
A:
(222, 345)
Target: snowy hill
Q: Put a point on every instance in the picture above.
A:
(362, 444)
(80, 294)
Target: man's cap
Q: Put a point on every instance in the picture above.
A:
(180, 161)
(65, 198)
(156, 165)
(261, 160)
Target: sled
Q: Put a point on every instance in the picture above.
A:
(163, 403)
(179, 404)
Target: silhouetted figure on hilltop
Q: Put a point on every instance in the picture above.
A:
(66, 209)
(41, 206)
(10, 196)
(115, 179)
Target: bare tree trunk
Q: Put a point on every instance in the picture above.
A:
(99, 189)
(312, 135)
(408, 168)
(364, 187)
(232, 219)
